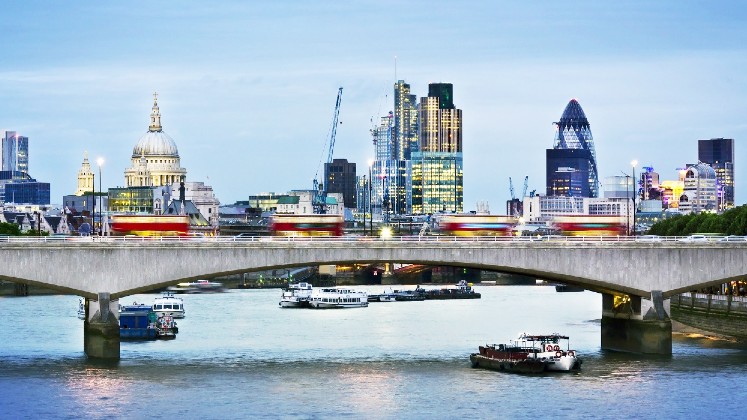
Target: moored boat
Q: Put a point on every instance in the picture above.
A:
(140, 322)
(337, 298)
(170, 305)
(528, 354)
(463, 290)
(136, 322)
(296, 296)
(81, 309)
(166, 327)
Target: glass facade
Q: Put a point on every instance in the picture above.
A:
(15, 152)
(405, 121)
(568, 173)
(27, 192)
(573, 132)
(719, 153)
(131, 200)
(436, 182)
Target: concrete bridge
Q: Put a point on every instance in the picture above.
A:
(636, 279)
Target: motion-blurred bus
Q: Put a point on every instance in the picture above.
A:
(306, 225)
(477, 225)
(584, 225)
(149, 225)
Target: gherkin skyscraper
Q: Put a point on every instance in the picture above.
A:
(572, 162)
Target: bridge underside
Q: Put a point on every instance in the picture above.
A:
(638, 272)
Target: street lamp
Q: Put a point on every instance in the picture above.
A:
(635, 192)
(100, 162)
(93, 204)
(370, 192)
(627, 206)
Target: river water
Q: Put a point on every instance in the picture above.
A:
(238, 355)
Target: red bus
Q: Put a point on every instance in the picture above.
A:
(306, 225)
(478, 225)
(149, 225)
(585, 225)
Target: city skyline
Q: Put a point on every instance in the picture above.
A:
(242, 81)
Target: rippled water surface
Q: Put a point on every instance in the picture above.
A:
(238, 355)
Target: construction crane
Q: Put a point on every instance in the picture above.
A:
(526, 185)
(511, 188)
(319, 200)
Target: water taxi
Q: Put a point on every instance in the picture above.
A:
(170, 305)
(296, 296)
(529, 354)
(336, 298)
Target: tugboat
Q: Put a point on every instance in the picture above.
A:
(296, 296)
(528, 354)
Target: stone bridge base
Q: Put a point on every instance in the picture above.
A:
(631, 324)
(101, 329)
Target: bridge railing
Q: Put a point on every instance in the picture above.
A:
(357, 238)
(709, 302)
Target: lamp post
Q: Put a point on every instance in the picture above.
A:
(370, 192)
(363, 206)
(627, 206)
(100, 162)
(384, 202)
(635, 191)
(93, 204)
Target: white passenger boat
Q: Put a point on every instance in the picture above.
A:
(335, 298)
(296, 296)
(169, 305)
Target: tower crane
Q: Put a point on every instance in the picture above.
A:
(526, 185)
(319, 200)
(511, 188)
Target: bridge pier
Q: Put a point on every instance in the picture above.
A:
(101, 328)
(636, 325)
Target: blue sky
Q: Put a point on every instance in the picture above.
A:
(247, 89)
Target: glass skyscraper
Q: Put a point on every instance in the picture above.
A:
(15, 152)
(436, 168)
(719, 153)
(571, 166)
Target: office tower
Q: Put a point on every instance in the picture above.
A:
(387, 172)
(571, 166)
(436, 169)
(340, 178)
(15, 152)
(649, 184)
(700, 192)
(719, 154)
(405, 121)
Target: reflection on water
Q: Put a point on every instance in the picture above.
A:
(238, 355)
